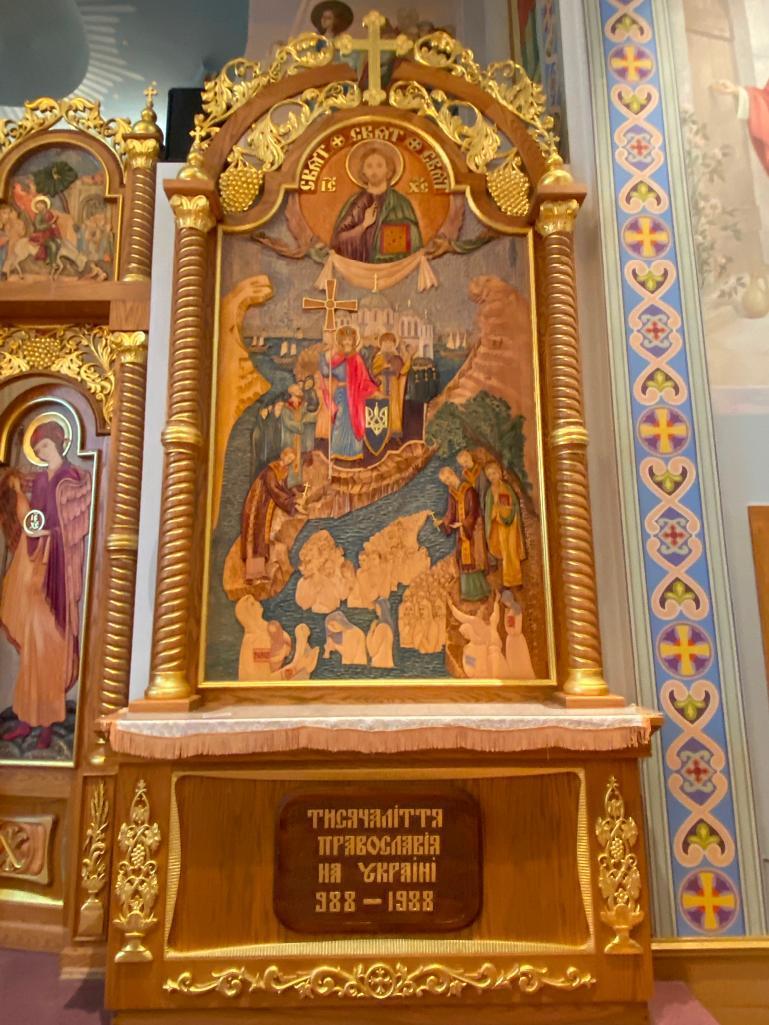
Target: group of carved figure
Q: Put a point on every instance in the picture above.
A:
(482, 515)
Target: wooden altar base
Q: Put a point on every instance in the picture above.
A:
(401, 863)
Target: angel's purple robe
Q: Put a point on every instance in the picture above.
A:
(43, 498)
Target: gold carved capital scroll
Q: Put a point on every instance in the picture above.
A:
(25, 842)
(81, 353)
(131, 346)
(557, 216)
(136, 885)
(142, 153)
(381, 981)
(619, 877)
(193, 212)
(93, 865)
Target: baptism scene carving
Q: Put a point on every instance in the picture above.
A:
(376, 475)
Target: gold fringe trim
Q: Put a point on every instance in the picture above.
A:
(142, 745)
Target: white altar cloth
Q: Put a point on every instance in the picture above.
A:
(243, 729)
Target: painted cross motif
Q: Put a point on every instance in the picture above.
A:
(646, 237)
(631, 63)
(655, 328)
(697, 772)
(663, 431)
(638, 146)
(674, 538)
(709, 901)
(373, 46)
(685, 649)
(330, 304)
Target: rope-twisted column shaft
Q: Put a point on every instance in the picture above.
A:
(182, 440)
(137, 264)
(122, 536)
(122, 526)
(568, 442)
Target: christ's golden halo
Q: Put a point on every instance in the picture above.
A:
(360, 151)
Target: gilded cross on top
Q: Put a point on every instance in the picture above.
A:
(330, 304)
(374, 46)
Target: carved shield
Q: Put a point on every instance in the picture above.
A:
(377, 424)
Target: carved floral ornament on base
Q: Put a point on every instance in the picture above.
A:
(136, 885)
(619, 876)
(264, 146)
(381, 981)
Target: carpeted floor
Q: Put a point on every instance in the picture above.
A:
(31, 993)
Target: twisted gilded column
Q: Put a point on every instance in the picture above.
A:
(183, 441)
(567, 445)
(142, 151)
(123, 524)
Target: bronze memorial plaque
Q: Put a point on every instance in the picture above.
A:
(378, 858)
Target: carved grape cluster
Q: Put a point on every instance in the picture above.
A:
(40, 351)
(239, 186)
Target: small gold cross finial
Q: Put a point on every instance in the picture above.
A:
(374, 46)
(330, 304)
(198, 131)
(151, 92)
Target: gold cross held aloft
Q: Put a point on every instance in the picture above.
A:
(330, 304)
(151, 92)
(374, 46)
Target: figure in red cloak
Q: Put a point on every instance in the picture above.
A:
(347, 384)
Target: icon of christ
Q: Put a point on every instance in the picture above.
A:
(377, 224)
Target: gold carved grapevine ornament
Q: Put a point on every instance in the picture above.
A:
(269, 138)
(264, 147)
(93, 867)
(87, 355)
(619, 877)
(136, 886)
(381, 981)
(84, 115)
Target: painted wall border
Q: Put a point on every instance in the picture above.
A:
(597, 232)
(734, 710)
(712, 859)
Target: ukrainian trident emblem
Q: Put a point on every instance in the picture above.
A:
(377, 424)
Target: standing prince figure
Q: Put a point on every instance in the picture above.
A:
(346, 386)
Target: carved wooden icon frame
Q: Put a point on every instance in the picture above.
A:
(81, 339)
(247, 153)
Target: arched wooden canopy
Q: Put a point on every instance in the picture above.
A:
(490, 121)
